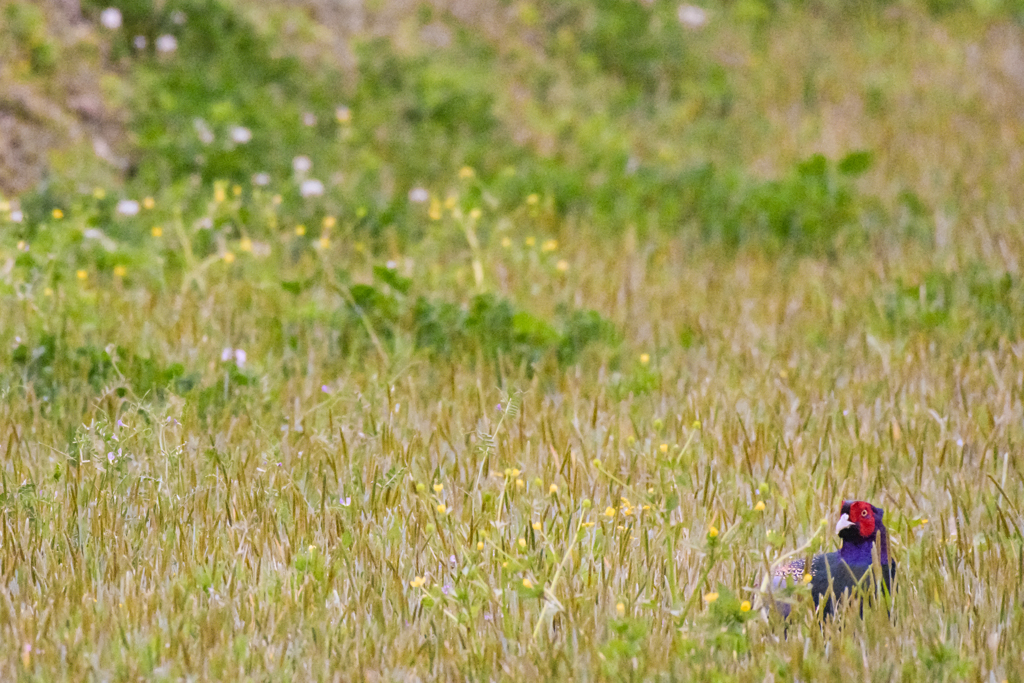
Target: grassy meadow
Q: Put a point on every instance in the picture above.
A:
(484, 340)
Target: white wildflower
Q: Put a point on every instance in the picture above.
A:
(241, 134)
(311, 188)
(203, 131)
(128, 207)
(166, 43)
(692, 16)
(111, 18)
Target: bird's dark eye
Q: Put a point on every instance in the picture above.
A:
(863, 513)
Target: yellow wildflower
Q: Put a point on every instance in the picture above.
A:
(745, 606)
(710, 597)
(417, 582)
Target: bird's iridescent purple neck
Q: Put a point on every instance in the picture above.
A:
(859, 552)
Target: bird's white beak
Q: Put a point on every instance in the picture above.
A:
(844, 522)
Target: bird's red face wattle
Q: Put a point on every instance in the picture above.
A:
(863, 515)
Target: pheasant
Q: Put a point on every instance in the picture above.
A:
(861, 528)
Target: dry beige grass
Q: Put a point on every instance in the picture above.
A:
(355, 514)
